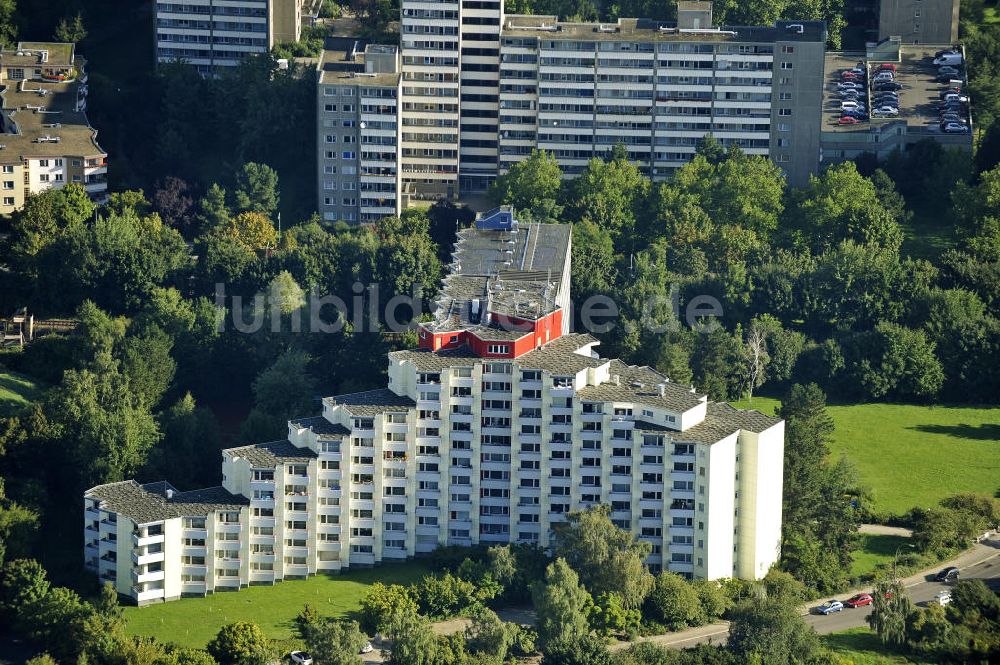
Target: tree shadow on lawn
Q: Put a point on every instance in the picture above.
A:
(984, 432)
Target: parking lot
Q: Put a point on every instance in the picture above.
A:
(918, 98)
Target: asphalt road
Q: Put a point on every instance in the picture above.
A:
(920, 591)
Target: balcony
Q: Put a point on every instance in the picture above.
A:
(143, 541)
(142, 578)
(143, 559)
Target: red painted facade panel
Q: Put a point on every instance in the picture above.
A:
(536, 333)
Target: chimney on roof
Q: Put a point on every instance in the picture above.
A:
(616, 379)
(661, 389)
(170, 494)
(694, 15)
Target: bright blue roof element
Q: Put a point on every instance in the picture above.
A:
(498, 219)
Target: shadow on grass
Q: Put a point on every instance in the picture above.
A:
(856, 640)
(984, 432)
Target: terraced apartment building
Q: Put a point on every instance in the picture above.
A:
(47, 141)
(497, 426)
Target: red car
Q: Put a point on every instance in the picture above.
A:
(859, 600)
(888, 65)
(848, 120)
(862, 599)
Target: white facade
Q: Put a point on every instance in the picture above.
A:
(471, 442)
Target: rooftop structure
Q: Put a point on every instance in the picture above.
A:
(47, 140)
(508, 289)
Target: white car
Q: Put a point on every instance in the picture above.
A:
(301, 658)
(886, 110)
(367, 648)
(955, 97)
(850, 105)
(850, 85)
(954, 128)
(885, 75)
(943, 598)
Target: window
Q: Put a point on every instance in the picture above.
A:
(785, 112)
(788, 49)
(499, 349)
(59, 162)
(8, 200)
(349, 154)
(7, 168)
(8, 184)
(784, 127)
(786, 65)
(43, 162)
(785, 96)
(43, 177)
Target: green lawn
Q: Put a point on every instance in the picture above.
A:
(195, 621)
(16, 392)
(916, 455)
(876, 549)
(861, 646)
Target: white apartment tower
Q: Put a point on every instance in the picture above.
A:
(496, 427)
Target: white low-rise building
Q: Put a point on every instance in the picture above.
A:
(500, 424)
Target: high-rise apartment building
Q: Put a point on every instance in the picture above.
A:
(211, 33)
(496, 427)
(577, 89)
(919, 21)
(482, 89)
(47, 141)
(358, 92)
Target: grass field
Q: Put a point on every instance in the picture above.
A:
(861, 646)
(195, 621)
(876, 549)
(916, 455)
(16, 391)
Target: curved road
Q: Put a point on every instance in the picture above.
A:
(980, 562)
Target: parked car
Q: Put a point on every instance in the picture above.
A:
(301, 658)
(829, 607)
(367, 648)
(949, 59)
(952, 117)
(949, 574)
(943, 598)
(848, 120)
(947, 50)
(850, 85)
(888, 66)
(955, 97)
(886, 110)
(954, 128)
(859, 600)
(850, 104)
(947, 70)
(883, 76)
(888, 85)
(886, 95)
(860, 116)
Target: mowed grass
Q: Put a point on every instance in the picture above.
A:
(193, 622)
(876, 549)
(861, 646)
(915, 455)
(16, 392)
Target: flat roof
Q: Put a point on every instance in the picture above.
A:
(343, 62)
(42, 109)
(35, 54)
(639, 29)
(918, 98)
(514, 272)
